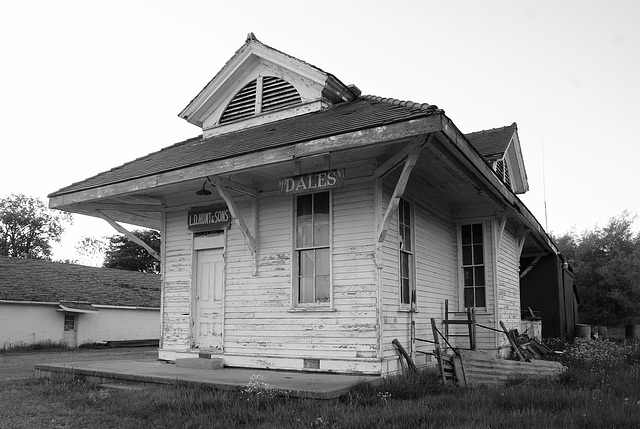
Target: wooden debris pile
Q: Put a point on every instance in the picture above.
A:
(530, 348)
(471, 367)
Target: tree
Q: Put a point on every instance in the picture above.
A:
(124, 254)
(606, 263)
(91, 250)
(27, 227)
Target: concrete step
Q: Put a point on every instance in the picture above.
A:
(200, 363)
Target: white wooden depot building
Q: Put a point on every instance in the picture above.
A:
(308, 225)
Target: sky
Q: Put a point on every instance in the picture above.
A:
(88, 85)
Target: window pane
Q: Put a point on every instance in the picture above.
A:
(305, 289)
(306, 263)
(468, 276)
(404, 265)
(321, 205)
(468, 297)
(479, 276)
(406, 219)
(304, 207)
(477, 233)
(405, 291)
(304, 234)
(480, 297)
(322, 288)
(322, 262)
(466, 255)
(321, 233)
(466, 234)
(478, 256)
(406, 239)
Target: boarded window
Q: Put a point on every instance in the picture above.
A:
(313, 251)
(473, 265)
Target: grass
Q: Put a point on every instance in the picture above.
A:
(40, 346)
(600, 389)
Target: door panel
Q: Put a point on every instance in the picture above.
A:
(208, 317)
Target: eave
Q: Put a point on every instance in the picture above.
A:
(451, 142)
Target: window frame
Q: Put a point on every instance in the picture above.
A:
(297, 251)
(486, 263)
(411, 302)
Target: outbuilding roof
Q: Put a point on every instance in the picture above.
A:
(35, 280)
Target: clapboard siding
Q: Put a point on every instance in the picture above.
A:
(508, 282)
(436, 271)
(258, 315)
(176, 313)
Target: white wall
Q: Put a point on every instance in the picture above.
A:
(118, 324)
(32, 323)
(29, 323)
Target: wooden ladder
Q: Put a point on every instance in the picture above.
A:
(470, 322)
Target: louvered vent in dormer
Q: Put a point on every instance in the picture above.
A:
(265, 94)
(278, 93)
(502, 170)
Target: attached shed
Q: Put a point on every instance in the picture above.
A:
(309, 226)
(51, 301)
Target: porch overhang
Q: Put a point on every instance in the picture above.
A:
(138, 200)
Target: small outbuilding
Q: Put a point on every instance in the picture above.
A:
(309, 226)
(43, 301)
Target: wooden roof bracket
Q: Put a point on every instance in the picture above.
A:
(239, 220)
(409, 163)
(128, 234)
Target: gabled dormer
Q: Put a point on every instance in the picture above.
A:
(260, 84)
(500, 148)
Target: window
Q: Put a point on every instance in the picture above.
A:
(312, 248)
(69, 322)
(406, 251)
(473, 265)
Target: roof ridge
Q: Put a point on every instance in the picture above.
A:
(403, 103)
(513, 125)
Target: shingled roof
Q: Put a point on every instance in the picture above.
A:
(36, 280)
(362, 113)
(493, 143)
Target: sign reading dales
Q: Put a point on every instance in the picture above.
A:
(210, 218)
(308, 182)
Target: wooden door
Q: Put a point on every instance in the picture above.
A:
(208, 316)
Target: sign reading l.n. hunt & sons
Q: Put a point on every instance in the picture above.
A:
(312, 181)
(210, 218)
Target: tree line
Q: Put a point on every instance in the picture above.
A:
(605, 261)
(606, 265)
(28, 228)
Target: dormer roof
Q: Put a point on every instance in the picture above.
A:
(500, 148)
(260, 84)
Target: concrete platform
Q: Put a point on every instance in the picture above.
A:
(145, 372)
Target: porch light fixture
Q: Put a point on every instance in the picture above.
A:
(204, 191)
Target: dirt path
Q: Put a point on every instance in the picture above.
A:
(15, 366)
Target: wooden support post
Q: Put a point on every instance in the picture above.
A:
(235, 213)
(128, 234)
(438, 351)
(397, 193)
